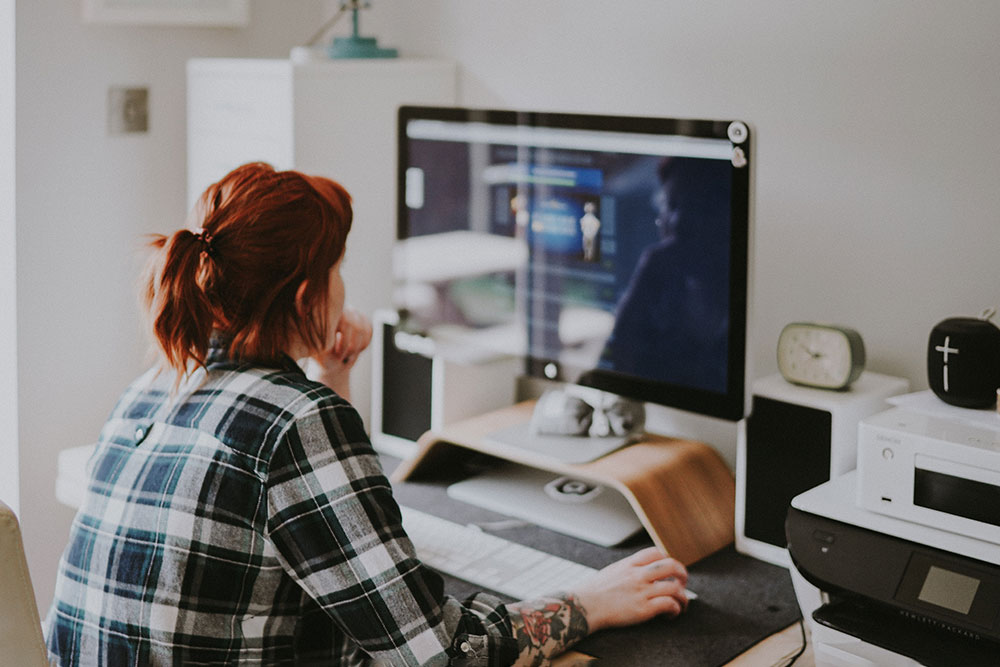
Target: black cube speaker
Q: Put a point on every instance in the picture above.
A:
(963, 362)
(417, 386)
(405, 398)
(790, 454)
(794, 439)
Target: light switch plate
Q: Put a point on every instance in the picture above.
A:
(128, 110)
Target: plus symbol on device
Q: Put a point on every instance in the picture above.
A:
(945, 350)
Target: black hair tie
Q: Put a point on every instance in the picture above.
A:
(207, 241)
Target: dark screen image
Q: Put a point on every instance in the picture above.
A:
(604, 262)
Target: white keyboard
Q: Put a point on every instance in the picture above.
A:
(492, 562)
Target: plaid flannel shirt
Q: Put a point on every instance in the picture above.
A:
(246, 520)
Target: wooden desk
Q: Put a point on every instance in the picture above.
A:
(777, 650)
(774, 651)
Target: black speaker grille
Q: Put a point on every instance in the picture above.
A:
(787, 452)
(406, 389)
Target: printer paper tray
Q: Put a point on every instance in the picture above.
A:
(911, 637)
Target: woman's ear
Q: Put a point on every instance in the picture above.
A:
(300, 295)
(312, 316)
(299, 348)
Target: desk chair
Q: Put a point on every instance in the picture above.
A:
(21, 640)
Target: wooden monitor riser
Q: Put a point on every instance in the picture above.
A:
(681, 490)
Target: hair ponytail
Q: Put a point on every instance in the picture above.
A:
(261, 235)
(179, 302)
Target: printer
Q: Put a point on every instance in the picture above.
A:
(897, 564)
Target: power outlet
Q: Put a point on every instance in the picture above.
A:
(128, 110)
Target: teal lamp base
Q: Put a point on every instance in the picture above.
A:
(359, 47)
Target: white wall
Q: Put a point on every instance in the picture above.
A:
(8, 290)
(84, 201)
(877, 170)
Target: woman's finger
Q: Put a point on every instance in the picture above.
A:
(670, 588)
(645, 556)
(667, 568)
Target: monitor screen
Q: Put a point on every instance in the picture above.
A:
(610, 251)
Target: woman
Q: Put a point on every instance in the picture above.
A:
(236, 511)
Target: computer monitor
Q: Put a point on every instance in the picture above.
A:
(609, 251)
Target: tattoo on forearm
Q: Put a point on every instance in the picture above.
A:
(546, 627)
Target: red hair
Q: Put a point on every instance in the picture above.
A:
(256, 269)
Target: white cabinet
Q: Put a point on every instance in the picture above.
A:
(334, 118)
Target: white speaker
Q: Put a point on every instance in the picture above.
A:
(416, 389)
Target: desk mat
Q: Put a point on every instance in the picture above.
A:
(741, 600)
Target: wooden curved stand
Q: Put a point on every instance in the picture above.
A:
(681, 490)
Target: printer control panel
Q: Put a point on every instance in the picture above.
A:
(946, 590)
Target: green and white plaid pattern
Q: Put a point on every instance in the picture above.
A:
(246, 519)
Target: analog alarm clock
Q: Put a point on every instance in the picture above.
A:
(820, 355)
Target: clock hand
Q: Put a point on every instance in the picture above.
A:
(814, 355)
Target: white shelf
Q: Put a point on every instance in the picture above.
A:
(335, 118)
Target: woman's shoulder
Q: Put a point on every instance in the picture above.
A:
(221, 397)
(291, 388)
(240, 414)
(283, 402)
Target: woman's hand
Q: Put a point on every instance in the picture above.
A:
(350, 339)
(633, 590)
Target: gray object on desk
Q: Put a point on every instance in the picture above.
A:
(578, 508)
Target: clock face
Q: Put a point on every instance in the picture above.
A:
(819, 355)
